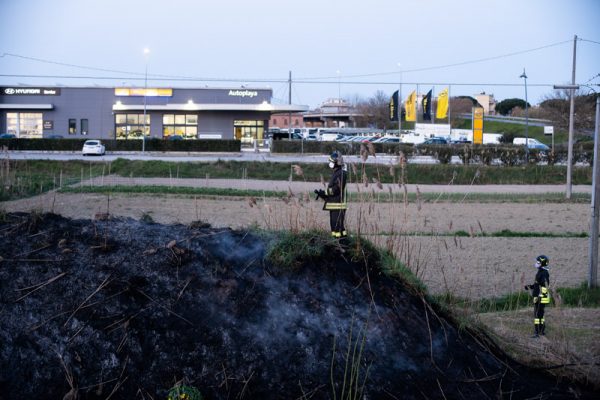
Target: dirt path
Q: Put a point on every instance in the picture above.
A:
(299, 185)
(473, 267)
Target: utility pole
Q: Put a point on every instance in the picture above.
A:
(290, 103)
(593, 273)
(571, 123)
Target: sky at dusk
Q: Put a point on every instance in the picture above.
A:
(351, 48)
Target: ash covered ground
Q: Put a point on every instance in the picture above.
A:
(120, 308)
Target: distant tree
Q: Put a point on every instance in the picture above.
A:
(374, 111)
(506, 106)
(460, 105)
(556, 108)
(471, 99)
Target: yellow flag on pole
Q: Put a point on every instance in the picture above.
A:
(442, 105)
(410, 106)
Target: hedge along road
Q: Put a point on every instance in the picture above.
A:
(210, 157)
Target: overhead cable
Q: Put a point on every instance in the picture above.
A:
(277, 81)
(297, 80)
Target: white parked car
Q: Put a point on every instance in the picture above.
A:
(93, 147)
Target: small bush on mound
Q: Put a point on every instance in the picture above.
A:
(184, 393)
(291, 250)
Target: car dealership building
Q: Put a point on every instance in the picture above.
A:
(128, 112)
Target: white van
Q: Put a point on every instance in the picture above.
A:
(330, 136)
(491, 138)
(531, 143)
(305, 132)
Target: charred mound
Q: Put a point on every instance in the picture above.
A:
(124, 309)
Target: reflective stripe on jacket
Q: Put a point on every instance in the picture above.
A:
(544, 295)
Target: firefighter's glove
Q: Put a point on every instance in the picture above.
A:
(527, 287)
(320, 193)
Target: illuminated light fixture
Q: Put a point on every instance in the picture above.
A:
(189, 105)
(264, 106)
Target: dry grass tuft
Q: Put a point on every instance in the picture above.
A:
(364, 153)
(298, 170)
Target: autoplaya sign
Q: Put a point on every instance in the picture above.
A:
(30, 91)
(243, 93)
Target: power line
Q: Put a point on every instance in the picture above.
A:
(591, 41)
(278, 81)
(298, 80)
(449, 65)
(592, 78)
(156, 78)
(141, 74)
(68, 65)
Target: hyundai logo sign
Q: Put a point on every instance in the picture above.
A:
(30, 91)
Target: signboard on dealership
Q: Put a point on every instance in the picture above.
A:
(30, 91)
(477, 125)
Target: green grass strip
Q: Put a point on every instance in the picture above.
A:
(175, 190)
(354, 197)
(312, 172)
(581, 296)
(503, 233)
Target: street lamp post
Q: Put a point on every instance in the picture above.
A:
(399, 105)
(339, 85)
(593, 270)
(524, 76)
(146, 52)
(339, 100)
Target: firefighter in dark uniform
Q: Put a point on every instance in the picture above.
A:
(335, 196)
(540, 294)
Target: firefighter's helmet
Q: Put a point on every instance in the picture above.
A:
(335, 159)
(542, 261)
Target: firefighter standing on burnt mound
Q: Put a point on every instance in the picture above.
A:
(540, 294)
(335, 196)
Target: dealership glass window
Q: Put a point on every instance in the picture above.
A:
(247, 131)
(72, 126)
(84, 126)
(184, 125)
(131, 126)
(24, 125)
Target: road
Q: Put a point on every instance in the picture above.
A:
(207, 157)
